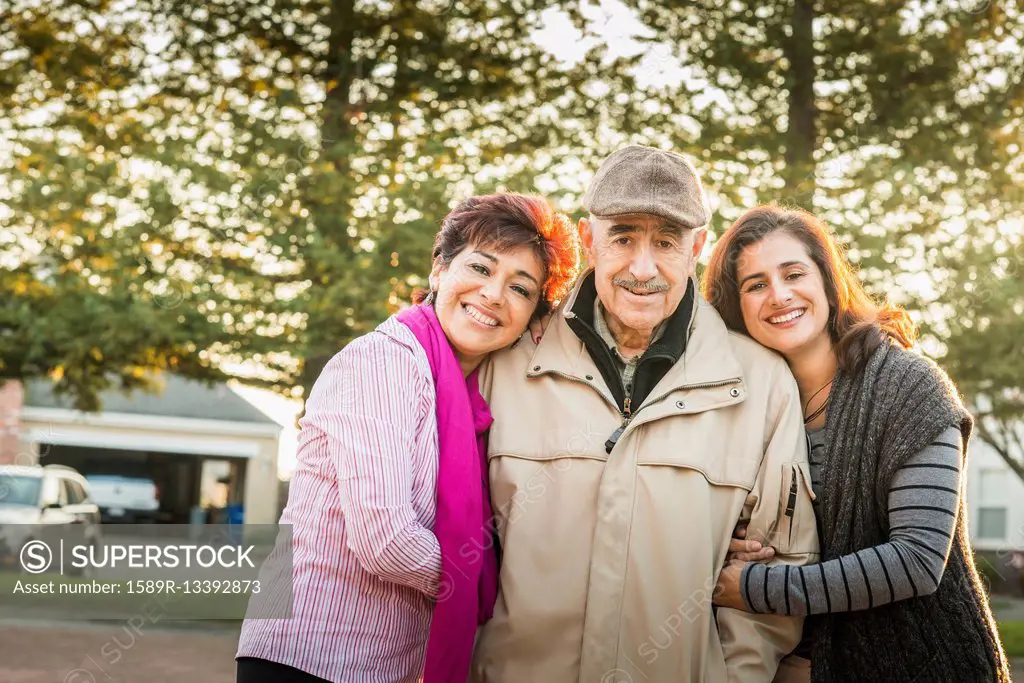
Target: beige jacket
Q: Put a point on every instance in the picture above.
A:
(609, 560)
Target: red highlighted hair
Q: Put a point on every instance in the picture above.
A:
(507, 221)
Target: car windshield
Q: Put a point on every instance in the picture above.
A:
(18, 489)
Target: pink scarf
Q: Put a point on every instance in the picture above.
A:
(463, 526)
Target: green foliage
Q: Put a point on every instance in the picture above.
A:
(221, 183)
(1012, 635)
(899, 115)
(423, 103)
(898, 122)
(236, 188)
(127, 246)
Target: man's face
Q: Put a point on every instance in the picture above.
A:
(641, 264)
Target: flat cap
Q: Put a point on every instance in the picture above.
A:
(638, 179)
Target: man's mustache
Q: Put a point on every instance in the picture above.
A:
(651, 286)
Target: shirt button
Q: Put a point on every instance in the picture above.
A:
(590, 377)
(680, 404)
(536, 368)
(734, 392)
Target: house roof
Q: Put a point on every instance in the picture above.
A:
(177, 397)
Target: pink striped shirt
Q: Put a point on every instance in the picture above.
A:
(361, 503)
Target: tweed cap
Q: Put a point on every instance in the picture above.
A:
(638, 179)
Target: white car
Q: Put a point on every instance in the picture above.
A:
(131, 500)
(39, 502)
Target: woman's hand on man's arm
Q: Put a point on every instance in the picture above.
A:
(743, 550)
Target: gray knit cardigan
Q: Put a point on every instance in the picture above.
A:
(894, 407)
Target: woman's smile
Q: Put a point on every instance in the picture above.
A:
(479, 316)
(787, 318)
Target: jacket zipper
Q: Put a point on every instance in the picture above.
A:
(628, 415)
(791, 505)
(700, 385)
(624, 411)
(791, 501)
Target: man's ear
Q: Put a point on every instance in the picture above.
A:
(586, 231)
(700, 237)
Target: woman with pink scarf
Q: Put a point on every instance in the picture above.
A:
(394, 558)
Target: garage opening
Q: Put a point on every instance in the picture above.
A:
(186, 483)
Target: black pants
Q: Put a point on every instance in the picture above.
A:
(253, 670)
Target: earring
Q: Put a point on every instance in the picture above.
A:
(430, 298)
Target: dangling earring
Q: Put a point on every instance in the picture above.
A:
(429, 301)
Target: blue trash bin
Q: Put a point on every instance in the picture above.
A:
(235, 514)
(196, 520)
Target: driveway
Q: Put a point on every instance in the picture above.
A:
(33, 652)
(68, 652)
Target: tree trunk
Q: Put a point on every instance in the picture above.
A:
(1003, 439)
(331, 217)
(801, 136)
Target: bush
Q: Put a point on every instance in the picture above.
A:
(1012, 635)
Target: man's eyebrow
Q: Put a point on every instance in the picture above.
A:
(622, 229)
(673, 229)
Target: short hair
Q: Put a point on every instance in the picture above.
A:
(857, 324)
(507, 221)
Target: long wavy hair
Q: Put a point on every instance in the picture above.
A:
(857, 323)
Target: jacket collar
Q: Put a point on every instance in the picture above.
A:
(672, 332)
(701, 339)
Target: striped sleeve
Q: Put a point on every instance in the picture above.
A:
(365, 403)
(924, 499)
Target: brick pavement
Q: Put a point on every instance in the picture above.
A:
(114, 653)
(91, 653)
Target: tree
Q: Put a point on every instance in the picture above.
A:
(981, 330)
(422, 102)
(898, 122)
(239, 189)
(410, 105)
(111, 270)
(257, 182)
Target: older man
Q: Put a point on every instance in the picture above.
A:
(627, 446)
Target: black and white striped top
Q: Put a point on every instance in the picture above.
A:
(923, 502)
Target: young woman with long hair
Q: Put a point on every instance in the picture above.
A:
(896, 596)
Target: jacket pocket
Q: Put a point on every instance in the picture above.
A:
(707, 443)
(795, 528)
